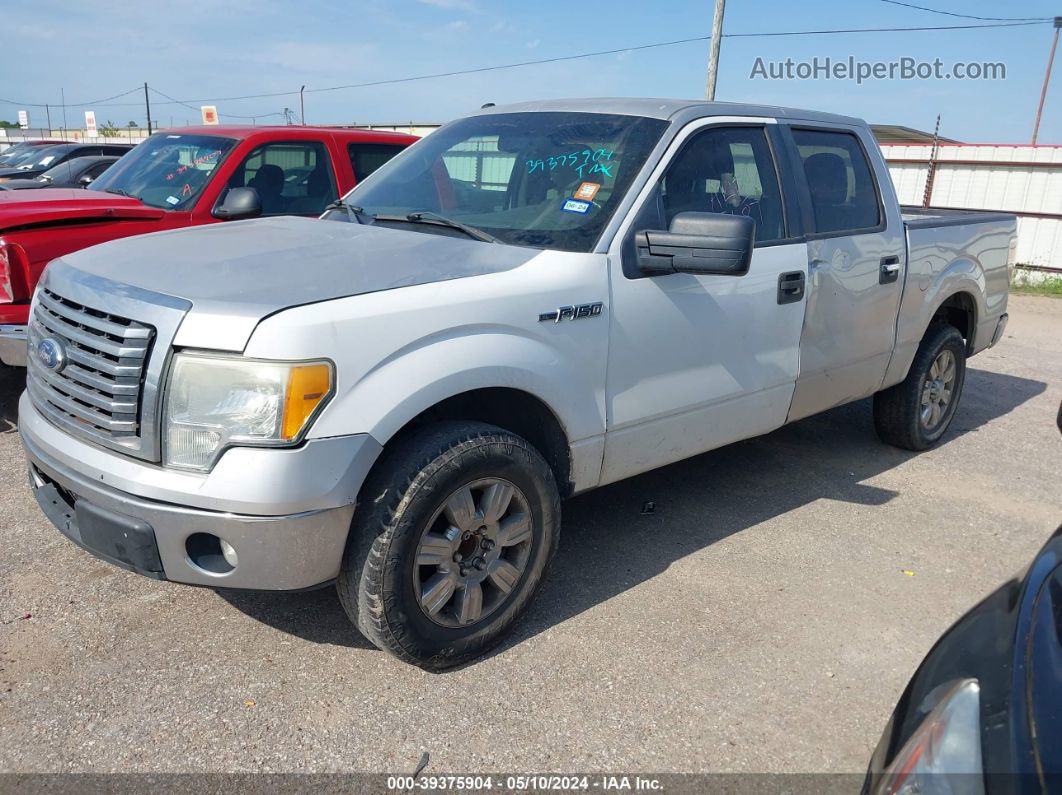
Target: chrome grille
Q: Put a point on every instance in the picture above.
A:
(97, 393)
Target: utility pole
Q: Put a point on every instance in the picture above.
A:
(713, 52)
(302, 108)
(1047, 79)
(62, 97)
(147, 104)
(927, 196)
(48, 113)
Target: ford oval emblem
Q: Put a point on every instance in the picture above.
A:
(50, 353)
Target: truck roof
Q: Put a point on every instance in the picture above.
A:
(292, 131)
(669, 109)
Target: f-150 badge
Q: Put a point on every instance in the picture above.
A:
(576, 312)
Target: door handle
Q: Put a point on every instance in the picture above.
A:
(790, 287)
(890, 269)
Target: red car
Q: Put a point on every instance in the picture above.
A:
(173, 179)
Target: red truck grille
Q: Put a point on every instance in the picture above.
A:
(94, 388)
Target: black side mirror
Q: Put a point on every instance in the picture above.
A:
(239, 203)
(698, 243)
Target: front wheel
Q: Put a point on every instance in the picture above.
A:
(915, 413)
(451, 538)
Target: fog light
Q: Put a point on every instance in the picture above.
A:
(228, 553)
(210, 554)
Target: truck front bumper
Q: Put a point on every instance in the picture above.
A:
(169, 539)
(13, 344)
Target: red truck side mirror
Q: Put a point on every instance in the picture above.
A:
(239, 203)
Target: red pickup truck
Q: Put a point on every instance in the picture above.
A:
(177, 178)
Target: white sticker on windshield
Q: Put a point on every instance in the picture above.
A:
(172, 200)
(173, 136)
(574, 206)
(46, 160)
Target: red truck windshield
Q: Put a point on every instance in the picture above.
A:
(166, 170)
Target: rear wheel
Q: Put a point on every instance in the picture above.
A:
(454, 532)
(915, 413)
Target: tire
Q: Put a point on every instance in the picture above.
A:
(418, 548)
(900, 412)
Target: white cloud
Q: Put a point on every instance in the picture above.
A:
(463, 5)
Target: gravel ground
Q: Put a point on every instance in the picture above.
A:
(762, 619)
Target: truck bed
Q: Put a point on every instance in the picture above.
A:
(941, 244)
(936, 217)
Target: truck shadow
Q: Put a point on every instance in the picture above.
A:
(696, 503)
(12, 384)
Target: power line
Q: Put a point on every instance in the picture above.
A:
(883, 30)
(558, 59)
(967, 16)
(75, 104)
(197, 109)
(615, 51)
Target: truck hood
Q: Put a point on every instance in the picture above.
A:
(235, 274)
(68, 205)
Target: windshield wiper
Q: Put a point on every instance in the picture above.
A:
(120, 192)
(429, 217)
(354, 213)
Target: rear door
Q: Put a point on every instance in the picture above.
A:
(698, 361)
(856, 262)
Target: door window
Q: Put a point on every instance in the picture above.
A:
(366, 158)
(95, 170)
(291, 178)
(726, 170)
(844, 196)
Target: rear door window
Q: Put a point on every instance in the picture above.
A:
(366, 158)
(844, 196)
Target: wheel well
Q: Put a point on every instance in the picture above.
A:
(515, 411)
(960, 311)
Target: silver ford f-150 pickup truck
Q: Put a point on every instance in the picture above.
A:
(531, 302)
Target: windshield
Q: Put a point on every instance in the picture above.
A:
(38, 157)
(547, 180)
(14, 153)
(166, 170)
(64, 172)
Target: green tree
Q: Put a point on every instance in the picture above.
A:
(108, 129)
(8, 125)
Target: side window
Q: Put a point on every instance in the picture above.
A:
(292, 178)
(843, 194)
(97, 169)
(725, 170)
(366, 158)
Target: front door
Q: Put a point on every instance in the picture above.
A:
(856, 253)
(698, 361)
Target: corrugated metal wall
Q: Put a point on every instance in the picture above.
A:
(1025, 180)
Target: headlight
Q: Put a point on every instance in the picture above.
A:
(944, 754)
(215, 402)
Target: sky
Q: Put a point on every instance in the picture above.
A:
(199, 50)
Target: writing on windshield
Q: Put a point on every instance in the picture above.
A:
(586, 162)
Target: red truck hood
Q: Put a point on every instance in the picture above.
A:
(62, 205)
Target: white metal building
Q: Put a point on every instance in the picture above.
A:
(1024, 180)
